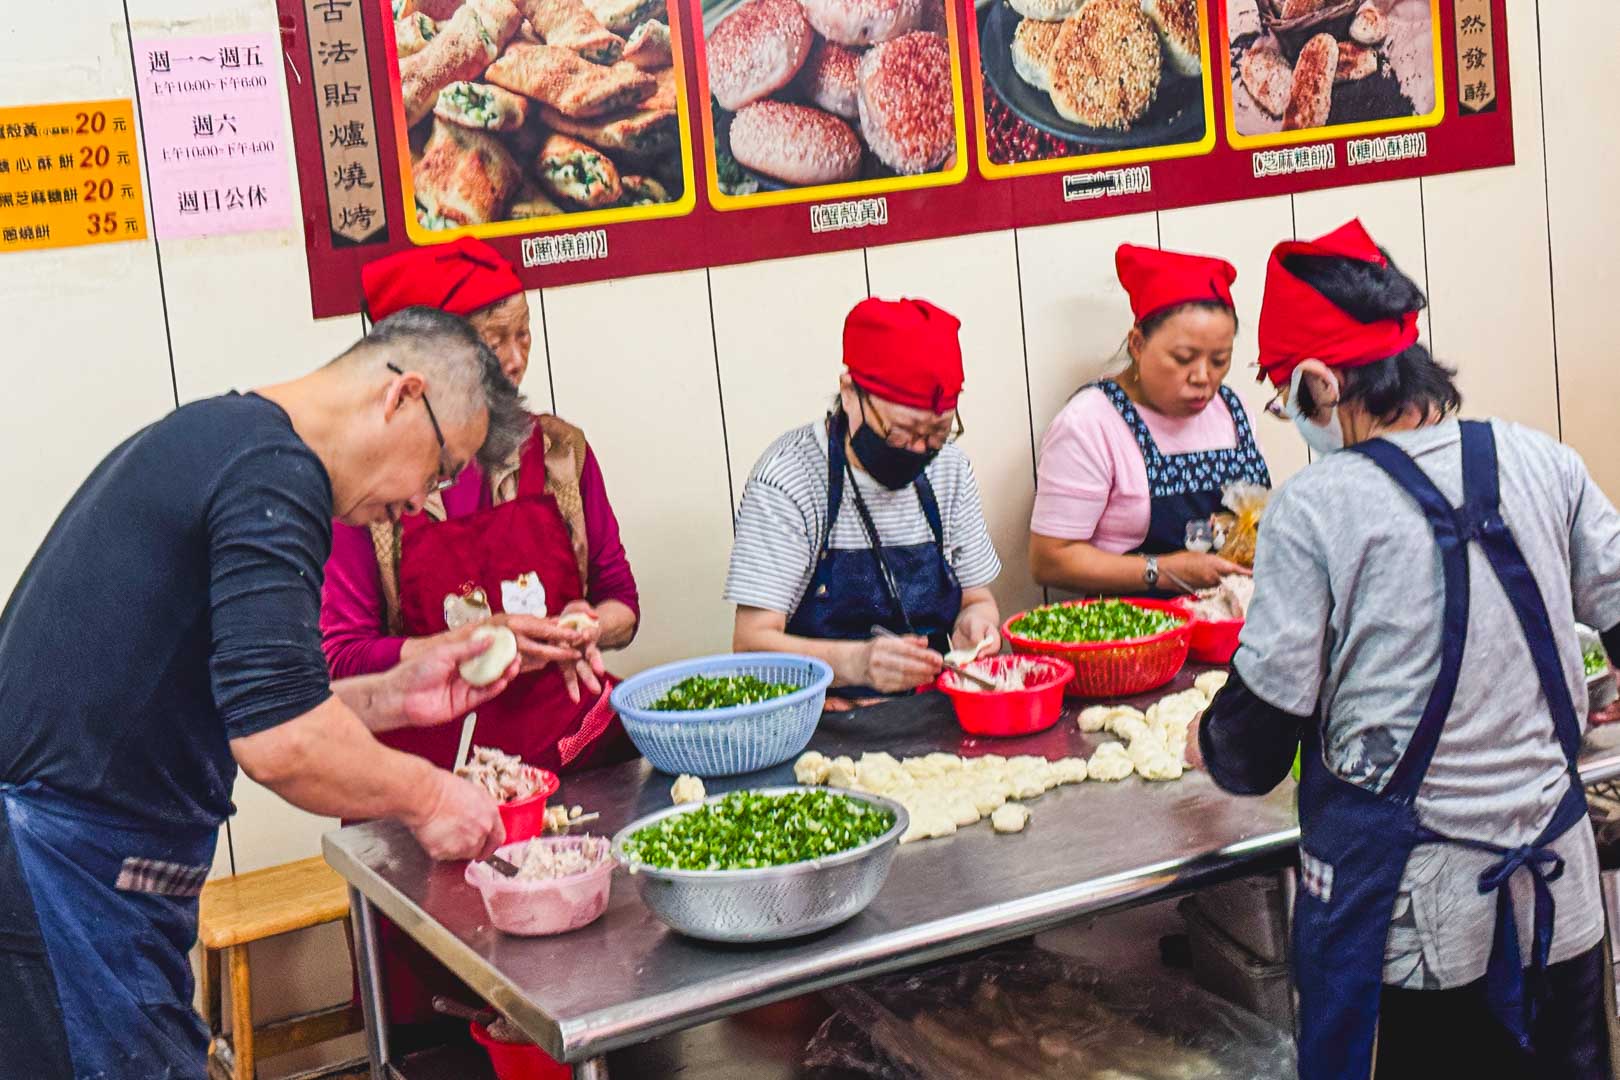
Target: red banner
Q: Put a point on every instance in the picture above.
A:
(594, 139)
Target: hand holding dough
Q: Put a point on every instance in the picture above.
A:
(489, 665)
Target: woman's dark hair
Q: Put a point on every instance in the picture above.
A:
(1150, 325)
(1411, 379)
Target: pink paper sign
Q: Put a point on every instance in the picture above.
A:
(212, 120)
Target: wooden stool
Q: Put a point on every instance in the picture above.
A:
(236, 911)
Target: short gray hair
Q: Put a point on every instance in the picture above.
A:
(463, 375)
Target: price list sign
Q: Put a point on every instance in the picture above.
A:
(69, 175)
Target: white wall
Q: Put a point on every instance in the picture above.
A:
(105, 339)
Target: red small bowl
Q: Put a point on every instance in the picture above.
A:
(1115, 669)
(1009, 712)
(519, 1061)
(525, 818)
(1215, 642)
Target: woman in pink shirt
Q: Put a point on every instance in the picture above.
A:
(536, 540)
(1130, 461)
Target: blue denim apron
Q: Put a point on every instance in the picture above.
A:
(909, 589)
(1187, 487)
(116, 904)
(1355, 843)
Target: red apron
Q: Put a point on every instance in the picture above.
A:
(534, 717)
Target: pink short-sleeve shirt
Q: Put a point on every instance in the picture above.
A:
(1092, 482)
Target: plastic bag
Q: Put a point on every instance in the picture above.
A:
(1026, 1014)
(1242, 527)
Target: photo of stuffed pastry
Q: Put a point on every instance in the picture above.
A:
(1298, 65)
(1064, 78)
(523, 110)
(807, 93)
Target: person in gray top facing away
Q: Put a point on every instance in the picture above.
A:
(1413, 624)
(123, 724)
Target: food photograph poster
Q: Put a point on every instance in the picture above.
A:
(594, 139)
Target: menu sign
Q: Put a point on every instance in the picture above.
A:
(340, 82)
(590, 139)
(69, 175)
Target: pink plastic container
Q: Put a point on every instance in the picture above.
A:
(526, 818)
(550, 905)
(519, 1061)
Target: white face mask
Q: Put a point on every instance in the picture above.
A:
(1324, 435)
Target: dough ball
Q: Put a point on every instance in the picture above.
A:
(841, 772)
(811, 768)
(576, 620)
(489, 665)
(1096, 718)
(1210, 683)
(1010, 818)
(1070, 770)
(1110, 762)
(1130, 728)
(687, 789)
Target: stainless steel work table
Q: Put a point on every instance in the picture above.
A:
(627, 979)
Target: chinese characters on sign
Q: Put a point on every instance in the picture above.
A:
(211, 116)
(69, 175)
(1476, 64)
(349, 152)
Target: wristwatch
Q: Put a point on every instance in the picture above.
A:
(1150, 572)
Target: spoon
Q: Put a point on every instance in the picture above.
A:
(501, 866)
(449, 1007)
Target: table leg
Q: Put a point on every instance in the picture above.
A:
(373, 1007)
(241, 1014)
(594, 1069)
(1288, 884)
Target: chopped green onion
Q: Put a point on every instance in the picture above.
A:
(749, 831)
(1105, 620)
(719, 692)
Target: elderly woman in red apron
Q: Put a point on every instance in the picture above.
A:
(1413, 623)
(536, 539)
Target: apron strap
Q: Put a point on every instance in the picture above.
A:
(1414, 764)
(1127, 412)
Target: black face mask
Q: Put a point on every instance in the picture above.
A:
(892, 466)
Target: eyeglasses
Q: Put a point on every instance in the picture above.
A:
(440, 482)
(900, 438)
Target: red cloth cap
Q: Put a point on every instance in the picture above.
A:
(1297, 323)
(461, 277)
(1157, 280)
(905, 351)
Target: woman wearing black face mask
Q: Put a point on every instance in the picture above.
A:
(871, 517)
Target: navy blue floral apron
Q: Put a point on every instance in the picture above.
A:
(1355, 842)
(910, 589)
(1187, 487)
(115, 910)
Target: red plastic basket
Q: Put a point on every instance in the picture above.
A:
(526, 818)
(1215, 642)
(520, 1061)
(1009, 712)
(1114, 669)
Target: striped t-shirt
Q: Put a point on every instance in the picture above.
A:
(783, 516)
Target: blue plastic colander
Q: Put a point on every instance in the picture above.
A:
(724, 742)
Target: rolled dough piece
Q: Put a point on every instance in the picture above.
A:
(489, 665)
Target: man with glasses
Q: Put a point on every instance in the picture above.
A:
(860, 537)
(167, 632)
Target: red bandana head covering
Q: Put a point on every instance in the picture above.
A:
(905, 351)
(1297, 323)
(461, 277)
(1157, 280)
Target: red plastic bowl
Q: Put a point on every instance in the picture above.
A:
(1114, 669)
(526, 818)
(519, 1061)
(1009, 712)
(1214, 642)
